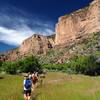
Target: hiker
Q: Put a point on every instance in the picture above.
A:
(27, 83)
(30, 76)
(34, 80)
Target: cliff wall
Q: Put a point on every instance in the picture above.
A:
(78, 24)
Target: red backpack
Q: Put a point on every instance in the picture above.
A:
(34, 79)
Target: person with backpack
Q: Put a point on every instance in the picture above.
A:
(27, 83)
(34, 80)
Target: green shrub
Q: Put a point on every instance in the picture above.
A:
(9, 67)
(78, 64)
(1, 65)
(27, 64)
(85, 65)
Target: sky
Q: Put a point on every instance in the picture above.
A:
(20, 19)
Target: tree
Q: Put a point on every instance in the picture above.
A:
(29, 64)
(1, 65)
(9, 67)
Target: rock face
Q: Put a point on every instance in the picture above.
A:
(78, 24)
(37, 44)
(70, 29)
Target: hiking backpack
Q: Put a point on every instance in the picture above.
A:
(27, 84)
(34, 79)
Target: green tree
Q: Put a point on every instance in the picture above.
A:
(1, 65)
(29, 64)
(9, 67)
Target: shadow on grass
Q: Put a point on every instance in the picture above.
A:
(34, 97)
(1, 77)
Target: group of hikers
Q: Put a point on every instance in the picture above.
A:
(29, 83)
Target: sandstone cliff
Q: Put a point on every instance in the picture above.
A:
(78, 24)
(37, 44)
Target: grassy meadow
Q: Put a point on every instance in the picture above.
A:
(59, 86)
(11, 87)
(56, 86)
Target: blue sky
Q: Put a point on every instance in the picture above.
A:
(20, 19)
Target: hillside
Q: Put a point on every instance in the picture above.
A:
(86, 46)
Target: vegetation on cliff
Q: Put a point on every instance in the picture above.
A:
(78, 65)
(83, 57)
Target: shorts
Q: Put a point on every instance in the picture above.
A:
(27, 92)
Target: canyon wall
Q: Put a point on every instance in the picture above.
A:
(78, 24)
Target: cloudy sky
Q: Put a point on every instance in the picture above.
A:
(20, 19)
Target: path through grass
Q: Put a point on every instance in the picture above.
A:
(56, 86)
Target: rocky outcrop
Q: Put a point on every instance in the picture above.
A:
(78, 24)
(37, 44)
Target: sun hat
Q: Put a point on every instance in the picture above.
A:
(26, 75)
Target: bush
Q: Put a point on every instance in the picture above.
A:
(27, 64)
(85, 65)
(56, 67)
(1, 65)
(79, 65)
(9, 67)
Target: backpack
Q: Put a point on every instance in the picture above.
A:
(34, 79)
(27, 84)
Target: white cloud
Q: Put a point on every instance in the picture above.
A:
(12, 37)
(14, 28)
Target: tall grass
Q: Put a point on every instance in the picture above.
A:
(56, 86)
(74, 87)
(11, 87)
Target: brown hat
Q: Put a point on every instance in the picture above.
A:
(26, 75)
